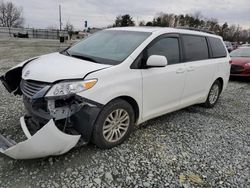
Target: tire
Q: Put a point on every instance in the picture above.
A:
(213, 95)
(117, 116)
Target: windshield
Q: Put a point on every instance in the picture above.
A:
(241, 52)
(108, 46)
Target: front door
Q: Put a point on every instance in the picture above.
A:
(163, 86)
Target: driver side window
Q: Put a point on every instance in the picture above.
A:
(168, 47)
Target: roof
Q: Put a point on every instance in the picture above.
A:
(140, 29)
(163, 30)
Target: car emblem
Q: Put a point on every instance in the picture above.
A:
(26, 73)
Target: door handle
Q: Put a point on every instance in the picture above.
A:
(180, 70)
(190, 68)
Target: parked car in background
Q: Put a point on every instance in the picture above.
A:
(229, 46)
(245, 45)
(99, 88)
(235, 45)
(240, 64)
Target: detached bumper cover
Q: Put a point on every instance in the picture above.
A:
(49, 140)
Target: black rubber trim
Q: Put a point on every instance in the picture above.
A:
(5, 84)
(12, 78)
(91, 102)
(84, 120)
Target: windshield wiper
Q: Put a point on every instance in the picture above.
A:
(84, 58)
(67, 52)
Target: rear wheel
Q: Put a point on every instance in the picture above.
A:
(213, 94)
(114, 124)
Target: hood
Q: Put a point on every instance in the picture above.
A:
(52, 67)
(240, 60)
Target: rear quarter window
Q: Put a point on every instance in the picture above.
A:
(195, 48)
(218, 48)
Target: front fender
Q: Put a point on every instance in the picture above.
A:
(12, 78)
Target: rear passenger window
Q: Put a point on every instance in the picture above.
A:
(168, 47)
(195, 48)
(218, 48)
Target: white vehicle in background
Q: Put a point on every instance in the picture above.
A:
(245, 45)
(100, 88)
(229, 46)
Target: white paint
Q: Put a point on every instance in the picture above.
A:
(55, 66)
(157, 61)
(157, 90)
(161, 90)
(24, 128)
(49, 140)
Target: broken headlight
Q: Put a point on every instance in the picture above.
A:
(67, 88)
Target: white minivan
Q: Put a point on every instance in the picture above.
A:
(100, 88)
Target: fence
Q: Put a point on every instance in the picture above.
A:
(32, 33)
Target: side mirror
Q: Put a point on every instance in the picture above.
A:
(157, 61)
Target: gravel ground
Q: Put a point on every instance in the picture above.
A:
(193, 147)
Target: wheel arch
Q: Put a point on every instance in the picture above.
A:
(133, 103)
(221, 82)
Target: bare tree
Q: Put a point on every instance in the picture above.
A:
(10, 15)
(70, 28)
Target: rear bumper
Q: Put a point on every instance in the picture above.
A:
(49, 140)
(239, 70)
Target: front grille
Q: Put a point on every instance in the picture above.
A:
(236, 69)
(30, 88)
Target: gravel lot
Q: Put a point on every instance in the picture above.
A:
(193, 147)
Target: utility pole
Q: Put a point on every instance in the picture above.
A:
(60, 18)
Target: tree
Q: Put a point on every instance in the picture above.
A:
(224, 30)
(70, 29)
(149, 24)
(10, 15)
(124, 20)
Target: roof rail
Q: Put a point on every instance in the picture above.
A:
(196, 29)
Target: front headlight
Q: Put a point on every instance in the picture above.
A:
(247, 64)
(67, 88)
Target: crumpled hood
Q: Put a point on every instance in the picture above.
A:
(52, 67)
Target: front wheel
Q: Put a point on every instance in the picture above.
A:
(213, 94)
(114, 124)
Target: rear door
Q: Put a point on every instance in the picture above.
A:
(163, 86)
(200, 68)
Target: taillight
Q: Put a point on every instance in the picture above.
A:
(230, 61)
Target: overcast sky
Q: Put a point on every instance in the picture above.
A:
(100, 13)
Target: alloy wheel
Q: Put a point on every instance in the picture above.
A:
(116, 125)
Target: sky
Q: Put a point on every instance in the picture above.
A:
(101, 13)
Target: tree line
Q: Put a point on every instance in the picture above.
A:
(233, 33)
(11, 16)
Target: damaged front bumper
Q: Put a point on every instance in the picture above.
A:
(56, 124)
(47, 141)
